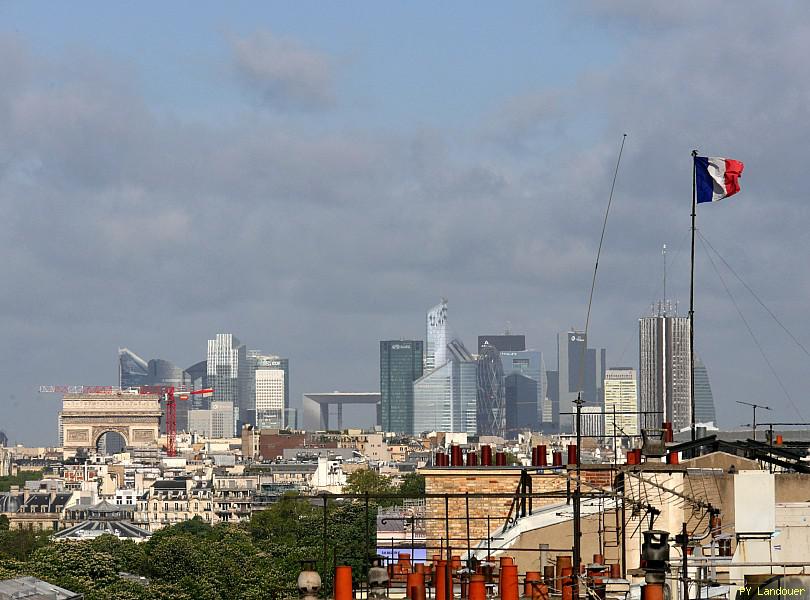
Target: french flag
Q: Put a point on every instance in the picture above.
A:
(716, 178)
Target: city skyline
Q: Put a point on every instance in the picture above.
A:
(142, 189)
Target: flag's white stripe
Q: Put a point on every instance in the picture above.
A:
(717, 171)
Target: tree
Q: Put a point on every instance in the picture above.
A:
(413, 485)
(3, 523)
(368, 481)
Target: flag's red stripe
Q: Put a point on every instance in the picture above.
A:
(734, 169)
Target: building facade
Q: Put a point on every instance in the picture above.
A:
(664, 370)
(525, 400)
(446, 398)
(400, 365)
(491, 393)
(621, 399)
(437, 337)
(581, 370)
(704, 400)
(506, 342)
(228, 374)
(268, 389)
(133, 371)
(215, 422)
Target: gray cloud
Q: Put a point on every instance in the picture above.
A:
(283, 73)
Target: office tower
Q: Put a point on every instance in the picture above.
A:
(593, 422)
(553, 399)
(133, 371)
(446, 398)
(526, 383)
(504, 343)
(621, 396)
(268, 394)
(216, 422)
(581, 369)
(491, 393)
(664, 375)
(400, 365)
(228, 375)
(437, 338)
(704, 401)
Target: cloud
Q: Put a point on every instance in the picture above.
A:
(283, 73)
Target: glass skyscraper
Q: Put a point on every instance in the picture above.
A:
(491, 394)
(704, 400)
(437, 337)
(581, 369)
(133, 371)
(524, 399)
(446, 398)
(400, 365)
(228, 375)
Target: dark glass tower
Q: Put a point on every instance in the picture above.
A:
(400, 366)
(133, 371)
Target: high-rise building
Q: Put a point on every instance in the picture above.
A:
(581, 370)
(228, 375)
(664, 370)
(524, 399)
(446, 398)
(704, 400)
(400, 365)
(593, 422)
(216, 422)
(437, 337)
(504, 343)
(133, 371)
(267, 394)
(621, 397)
(491, 393)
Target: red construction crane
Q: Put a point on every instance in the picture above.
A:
(171, 408)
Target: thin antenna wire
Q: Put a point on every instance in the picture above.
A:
(599, 250)
(757, 298)
(750, 331)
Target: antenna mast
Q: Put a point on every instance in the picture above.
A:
(664, 255)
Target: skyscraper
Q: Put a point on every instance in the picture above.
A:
(504, 343)
(133, 371)
(526, 386)
(664, 370)
(491, 394)
(268, 389)
(228, 374)
(621, 394)
(446, 398)
(437, 337)
(704, 400)
(400, 365)
(581, 369)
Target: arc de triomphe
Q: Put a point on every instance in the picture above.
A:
(86, 417)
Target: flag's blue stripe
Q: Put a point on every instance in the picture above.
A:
(703, 182)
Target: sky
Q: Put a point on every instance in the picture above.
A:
(312, 177)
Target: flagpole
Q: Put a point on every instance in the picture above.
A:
(692, 303)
